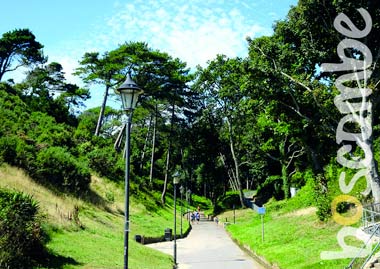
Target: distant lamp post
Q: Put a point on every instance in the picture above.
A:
(129, 93)
(181, 190)
(176, 179)
(188, 200)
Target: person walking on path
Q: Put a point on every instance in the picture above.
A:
(197, 216)
(192, 217)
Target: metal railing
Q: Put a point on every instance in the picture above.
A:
(355, 262)
(371, 216)
(371, 226)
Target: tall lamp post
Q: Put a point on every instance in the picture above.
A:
(129, 92)
(176, 179)
(181, 190)
(188, 200)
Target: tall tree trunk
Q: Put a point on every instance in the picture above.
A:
(168, 159)
(153, 146)
(284, 173)
(145, 144)
(101, 113)
(230, 173)
(374, 175)
(163, 194)
(366, 122)
(236, 163)
(318, 170)
(285, 181)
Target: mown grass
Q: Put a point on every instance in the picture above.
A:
(95, 238)
(292, 240)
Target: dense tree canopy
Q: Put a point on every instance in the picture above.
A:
(264, 121)
(19, 48)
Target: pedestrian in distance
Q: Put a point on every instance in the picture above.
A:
(197, 216)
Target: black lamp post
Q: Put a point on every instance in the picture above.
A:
(181, 190)
(176, 179)
(129, 92)
(188, 200)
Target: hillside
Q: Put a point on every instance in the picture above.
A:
(294, 236)
(93, 237)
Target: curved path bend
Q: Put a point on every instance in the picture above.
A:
(208, 246)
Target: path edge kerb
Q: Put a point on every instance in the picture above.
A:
(147, 240)
(260, 260)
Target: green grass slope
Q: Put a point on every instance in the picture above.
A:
(89, 233)
(292, 240)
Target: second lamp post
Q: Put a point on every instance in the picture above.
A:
(181, 190)
(129, 93)
(176, 179)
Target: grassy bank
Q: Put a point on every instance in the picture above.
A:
(88, 233)
(292, 240)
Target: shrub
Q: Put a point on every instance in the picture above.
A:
(107, 163)
(323, 199)
(44, 130)
(21, 236)
(306, 195)
(8, 147)
(15, 151)
(56, 167)
(227, 201)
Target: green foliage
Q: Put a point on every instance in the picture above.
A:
(323, 202)
(45, 131)
(56, 167)
(19, 48)
(21, 236)
(201, 201)
(8, 145)
(107, 163)
(229, 200)
(40, 87)
(86, 125)
(16, 151)
(305, 197)
(271, 187)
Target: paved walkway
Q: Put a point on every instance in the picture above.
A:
(208, 246)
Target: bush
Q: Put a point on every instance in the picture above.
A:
(21, 236)
(227, 201)
(15, 151)
(8, 147)
(58, 168)
(323, 199)
(306, 196)
(45, 131)
(107, 163)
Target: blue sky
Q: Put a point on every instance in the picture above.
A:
(192, 30)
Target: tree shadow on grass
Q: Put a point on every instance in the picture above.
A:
(94, 198)
(57, 261)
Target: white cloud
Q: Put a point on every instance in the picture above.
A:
(273, 15)
(69, 65)
(192, 31)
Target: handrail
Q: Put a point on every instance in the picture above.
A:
(350, 266)
(371, 225)
(370, 255)
(371, 215)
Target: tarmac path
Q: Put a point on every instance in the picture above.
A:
(208, 246)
